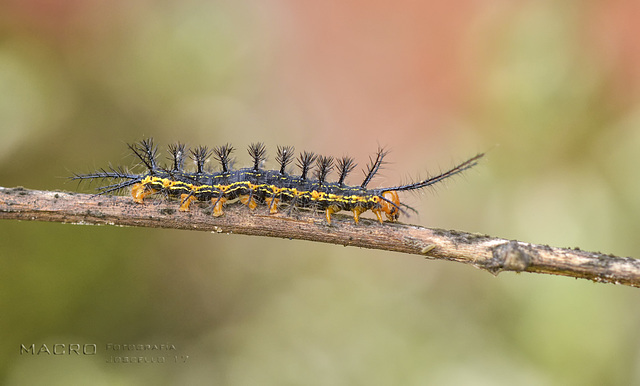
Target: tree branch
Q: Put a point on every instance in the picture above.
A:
(485, 252)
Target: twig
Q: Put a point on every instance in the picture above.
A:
(485, 252)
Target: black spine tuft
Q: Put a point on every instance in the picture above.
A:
(325, 165)
(258, 154)
(284, 157)
(200, 155)
(374, 166)
(305, 163)
(223, 155)
(177, 156)
(147, 152)
(345, 166)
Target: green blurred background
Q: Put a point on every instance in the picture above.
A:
(550, 89)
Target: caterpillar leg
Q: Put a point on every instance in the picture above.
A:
(331, 210)
(378, 213)
(185, 201)
(140, 191)
(217, 206)
(272, 202)
(357, 211)
(248, 200)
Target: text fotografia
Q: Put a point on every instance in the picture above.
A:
(140, 347)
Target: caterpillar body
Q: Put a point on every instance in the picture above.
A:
(253, 186)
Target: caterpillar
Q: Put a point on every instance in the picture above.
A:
(254, 185)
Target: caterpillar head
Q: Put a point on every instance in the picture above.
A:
(390, 205)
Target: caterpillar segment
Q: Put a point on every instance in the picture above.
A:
(255, 186)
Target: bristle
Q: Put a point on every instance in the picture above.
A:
(305, 163)
(258, 154)
(374, 166)
(325, 165)
(118, 173)
(200, 155)
(177, 151)
(345, 166)
(471, 162)
(223, 155)
(147, 152)
(284, 157)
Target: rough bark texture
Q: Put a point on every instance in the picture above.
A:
(485, 252)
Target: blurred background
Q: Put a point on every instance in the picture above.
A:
(550, 89)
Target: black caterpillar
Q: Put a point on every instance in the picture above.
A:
(254, 185)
